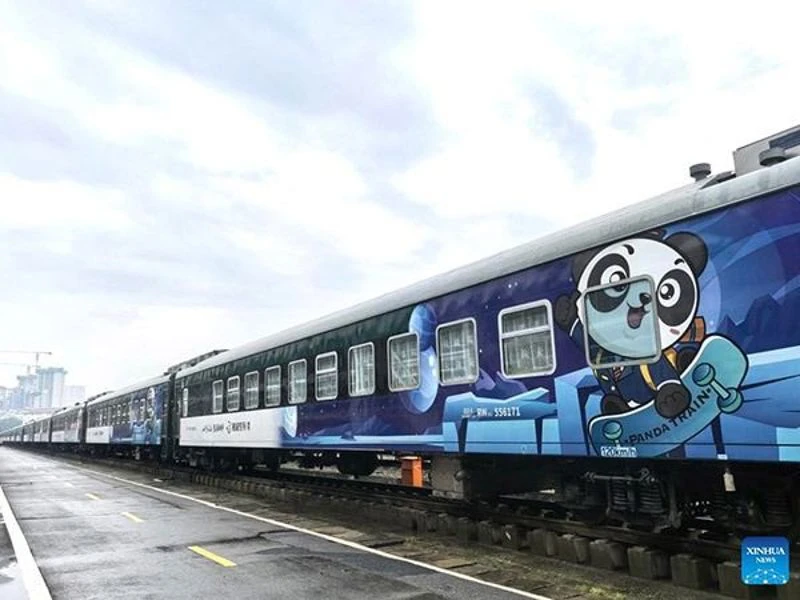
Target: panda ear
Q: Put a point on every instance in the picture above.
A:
(579, 264)
(692, 248)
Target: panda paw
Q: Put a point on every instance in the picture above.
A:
(567, 310)
(613, 405)
(672, 399)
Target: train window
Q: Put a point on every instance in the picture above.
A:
(404, 367)
(216, 403)
(185, 411)
(327, 383)
(526, 340)
(272, 386)
(457, 347)
(621, 324)
(361, 362)
(233, 393)
(251, 390)
(298, 385)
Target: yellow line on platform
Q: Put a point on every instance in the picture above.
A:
(133, 517)
(211, 556)
(93, 497)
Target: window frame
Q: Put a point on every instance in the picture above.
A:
(258, 382)
(317, 373)
(374, 377)
(501, 337)
(228, 394)
(185, 402)
(267, 404)
(389, 362)
(475, 347)
(289, 380)
(630, 363)
(214, 409)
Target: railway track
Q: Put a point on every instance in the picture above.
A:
(695, 558)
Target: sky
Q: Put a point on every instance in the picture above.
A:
(182, 176)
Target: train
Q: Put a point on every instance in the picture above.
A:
(640, 368)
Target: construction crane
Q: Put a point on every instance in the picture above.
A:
(37, 353)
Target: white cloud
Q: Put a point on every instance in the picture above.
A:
(64, 206)
(323, 195)
(475, 74)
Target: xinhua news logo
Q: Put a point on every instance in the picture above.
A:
(765, 561)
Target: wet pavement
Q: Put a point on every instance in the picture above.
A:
(95, 537)
(11, 585)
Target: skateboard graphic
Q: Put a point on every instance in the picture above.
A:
(713, 379)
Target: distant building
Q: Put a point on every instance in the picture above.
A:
(5, 397)
(50, 387)
(27, 394)
(41, 391)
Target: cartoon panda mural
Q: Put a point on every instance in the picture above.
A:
(618, 324)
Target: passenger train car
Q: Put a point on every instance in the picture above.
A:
(641, 367)
(129, 421)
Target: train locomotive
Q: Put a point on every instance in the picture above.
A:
(640, 368)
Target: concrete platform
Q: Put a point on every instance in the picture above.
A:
(95, 536)
(12, 585)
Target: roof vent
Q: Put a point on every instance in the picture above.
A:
(700, 171)
(772, 156)
(767, 152)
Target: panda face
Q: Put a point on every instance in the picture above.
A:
(621, 317)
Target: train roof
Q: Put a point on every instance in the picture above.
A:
(695, 198)
(131, 388)
(36, 418)
(66, 409)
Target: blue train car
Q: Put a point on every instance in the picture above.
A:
(29, 433)
(11, 436)
(41, 430)
(68, 427)
(606, 362)
(129, 421)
